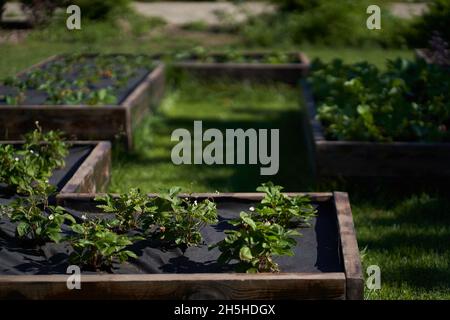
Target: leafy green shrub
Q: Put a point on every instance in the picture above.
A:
(323, 22)
(436, 20)
(410, 101)
(100, 9)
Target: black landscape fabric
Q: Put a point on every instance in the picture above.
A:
(317, 250)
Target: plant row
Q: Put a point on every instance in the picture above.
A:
(407, 101)
(76, 79)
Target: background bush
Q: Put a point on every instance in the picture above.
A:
(323, 22)
(100, 9)
(437, 19)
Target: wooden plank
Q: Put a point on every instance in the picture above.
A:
(349, 245)
(86, 200)
(371, 159)
(94, 173)
(289, 73)
(292, 286)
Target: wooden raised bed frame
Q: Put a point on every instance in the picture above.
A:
(93, 174)
(84, 122)
(337, 285)
(289, 73)
(374, 159)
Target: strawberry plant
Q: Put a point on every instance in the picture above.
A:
(254, 244)
(28, 169)
(128, 208)
(179, 220)
(96, 246)
(36, 220)
(168, 217)
(281, 209)
(266, 231)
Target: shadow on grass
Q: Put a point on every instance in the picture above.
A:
(292, 166)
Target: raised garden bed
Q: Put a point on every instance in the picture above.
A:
(326, 264)
(89, 97)
(254, 66)
(355, 157)
(87, 169)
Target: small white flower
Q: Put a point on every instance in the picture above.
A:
(251, 209)
(83, 217)
(17, 159)
(31, 151)
(51, 217)
(195, 202)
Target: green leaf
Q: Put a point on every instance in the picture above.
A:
(22, 229)
(245, 254)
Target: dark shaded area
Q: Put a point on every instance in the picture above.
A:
(317, 250)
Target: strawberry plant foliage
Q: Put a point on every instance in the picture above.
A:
(254, 244)
(180, 220)
(28, 169)
(281, 209)
(409, 101)
(168, 217)
(128, 208)
(96, 246)
(266, 231)
(36, 220)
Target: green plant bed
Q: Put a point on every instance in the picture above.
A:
(312, 265)
(90, 97)
(44, 161)
(372, 123)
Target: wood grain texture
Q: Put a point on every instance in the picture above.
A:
(289, 73)
(178, 286)
(94, 173)
(349, 246)
(373, 159)
(83, 122)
